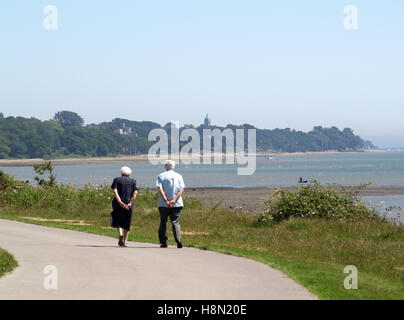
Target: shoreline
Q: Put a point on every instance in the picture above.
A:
(144, 158)
(72, 161)
(251, 199)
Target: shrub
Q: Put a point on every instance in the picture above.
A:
(7, 182)
(42, 169)
(315, 201)
(68, 199)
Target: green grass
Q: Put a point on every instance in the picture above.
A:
(311, 250)
(7, 262)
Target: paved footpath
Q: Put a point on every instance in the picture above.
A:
(94, 267)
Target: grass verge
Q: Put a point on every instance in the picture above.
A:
(313, 252)
(7, 262)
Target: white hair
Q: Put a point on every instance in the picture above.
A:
(126, 171)
(170, 165)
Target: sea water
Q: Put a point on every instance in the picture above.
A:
(379, 169)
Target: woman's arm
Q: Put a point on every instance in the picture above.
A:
(132, 200)
(118, 199)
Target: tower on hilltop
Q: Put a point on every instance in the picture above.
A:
(207, 122)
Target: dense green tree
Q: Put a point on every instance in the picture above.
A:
(64, 136)
(68, 119)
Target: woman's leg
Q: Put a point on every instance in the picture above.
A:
(125, 237)
(120, 235)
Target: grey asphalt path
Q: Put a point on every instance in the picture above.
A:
(94, 267)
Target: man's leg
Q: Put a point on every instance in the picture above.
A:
(175, 221)
(163, 225)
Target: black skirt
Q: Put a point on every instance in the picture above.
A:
(120, 218)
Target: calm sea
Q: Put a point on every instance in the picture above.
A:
(380, 169)
(382, 203)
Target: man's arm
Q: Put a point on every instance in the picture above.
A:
(163, 196)
(177, 196)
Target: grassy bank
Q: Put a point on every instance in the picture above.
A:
(313, 251)
(7, 262)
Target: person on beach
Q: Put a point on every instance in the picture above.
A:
(125, 192)
(170, 186)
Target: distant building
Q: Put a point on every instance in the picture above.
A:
(125, 131)
(207, 122)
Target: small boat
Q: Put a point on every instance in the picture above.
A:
(302, 181)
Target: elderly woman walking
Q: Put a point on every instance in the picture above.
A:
(125, 192)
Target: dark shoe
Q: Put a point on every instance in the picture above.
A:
(164, 245)
(120, 242)
(179, 244)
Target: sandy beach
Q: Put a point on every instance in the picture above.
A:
(73, 161)
(145, 158)
(251, 199)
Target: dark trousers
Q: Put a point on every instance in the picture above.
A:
(174, 214)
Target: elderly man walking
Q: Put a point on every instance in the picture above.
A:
(170, 186)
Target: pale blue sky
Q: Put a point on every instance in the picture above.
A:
(268, 63)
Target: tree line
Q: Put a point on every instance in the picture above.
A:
(66, 135)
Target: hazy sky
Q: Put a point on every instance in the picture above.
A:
(268, 63)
